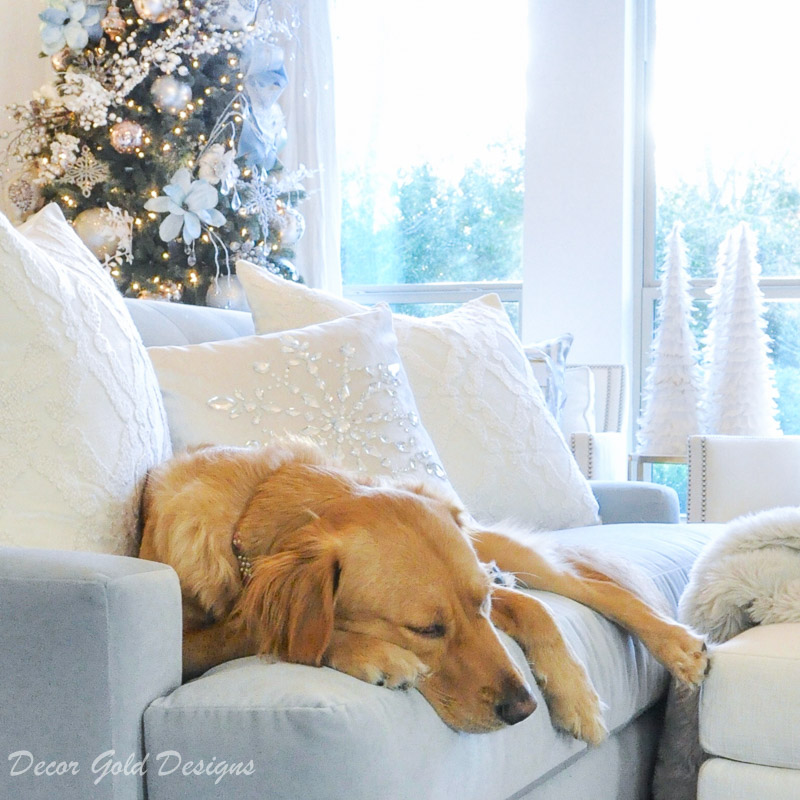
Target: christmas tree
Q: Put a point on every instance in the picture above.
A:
(673, 386)
(159, 137)
(741, 392)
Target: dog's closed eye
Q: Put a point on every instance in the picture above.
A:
(435, 631)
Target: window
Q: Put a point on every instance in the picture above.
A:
(430, 107)
(726, 135)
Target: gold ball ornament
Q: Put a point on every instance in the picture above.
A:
(96, 232)
(126, 136)
(170, 95)
(156, 11)
(113, 23)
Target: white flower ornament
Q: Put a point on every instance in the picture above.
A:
(67, 24)
(189, 204)
(217, 166)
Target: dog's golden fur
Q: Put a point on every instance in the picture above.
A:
(383, 581)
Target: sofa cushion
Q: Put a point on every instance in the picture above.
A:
(342, 384)
(721, 779)
(477, 397)
(750, 706)
(317, 733)
(80, 410)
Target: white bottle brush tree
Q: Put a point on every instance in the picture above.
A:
(741, 391)
(673, 386)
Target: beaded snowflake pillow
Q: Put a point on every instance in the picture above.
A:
(80, 410)
(340, 383)
(502, 449)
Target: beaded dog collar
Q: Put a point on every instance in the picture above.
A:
(245, 564)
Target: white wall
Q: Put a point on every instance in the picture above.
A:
(21, 69)
(578, 236)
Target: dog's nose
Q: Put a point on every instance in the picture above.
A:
(516, 704)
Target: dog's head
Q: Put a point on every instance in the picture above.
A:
(395, 564)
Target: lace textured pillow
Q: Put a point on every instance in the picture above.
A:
(502, 449)
(341, 384)
(80, 408)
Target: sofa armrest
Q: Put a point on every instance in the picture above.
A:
(734, 475)
(87, 642)
(629, 501)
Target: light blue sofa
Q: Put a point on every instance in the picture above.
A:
(92, 706)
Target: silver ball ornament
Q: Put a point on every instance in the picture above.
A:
(157, 11)
(233, 15)
(292, 227)
(170, 95)
(94, 228)
(227, 292)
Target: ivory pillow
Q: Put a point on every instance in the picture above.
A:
(340, 383)
(501, 448)
(577, 413)
(80, 409)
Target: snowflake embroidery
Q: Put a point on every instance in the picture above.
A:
(360, 419)
(87, 171)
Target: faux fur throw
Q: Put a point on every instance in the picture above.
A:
(749, 575)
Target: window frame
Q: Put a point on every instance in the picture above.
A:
(649, 288)
(433, 293)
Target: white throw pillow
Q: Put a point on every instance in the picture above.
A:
(341, 383)
(80, 410)
(577, 413)
(501, 448)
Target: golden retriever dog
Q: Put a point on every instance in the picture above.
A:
(282, 554)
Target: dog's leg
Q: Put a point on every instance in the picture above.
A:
(573, 702)
(373, 660)
(680, 651)
(207, 647)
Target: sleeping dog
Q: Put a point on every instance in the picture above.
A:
(283, 554)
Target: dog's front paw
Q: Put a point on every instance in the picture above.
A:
(684, 655)
(401, 670)
(374, 661)
(579, 711)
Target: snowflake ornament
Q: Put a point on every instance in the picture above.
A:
(87, 172)
(258, 197)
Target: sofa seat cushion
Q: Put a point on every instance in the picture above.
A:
(317, 733)
(750, 707)
(721, 779)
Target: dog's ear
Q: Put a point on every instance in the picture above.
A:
(439, 494)
(288, 604)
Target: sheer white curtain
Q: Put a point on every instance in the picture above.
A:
(308, 105)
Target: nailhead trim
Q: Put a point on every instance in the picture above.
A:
(704, 467)
(703, 482)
